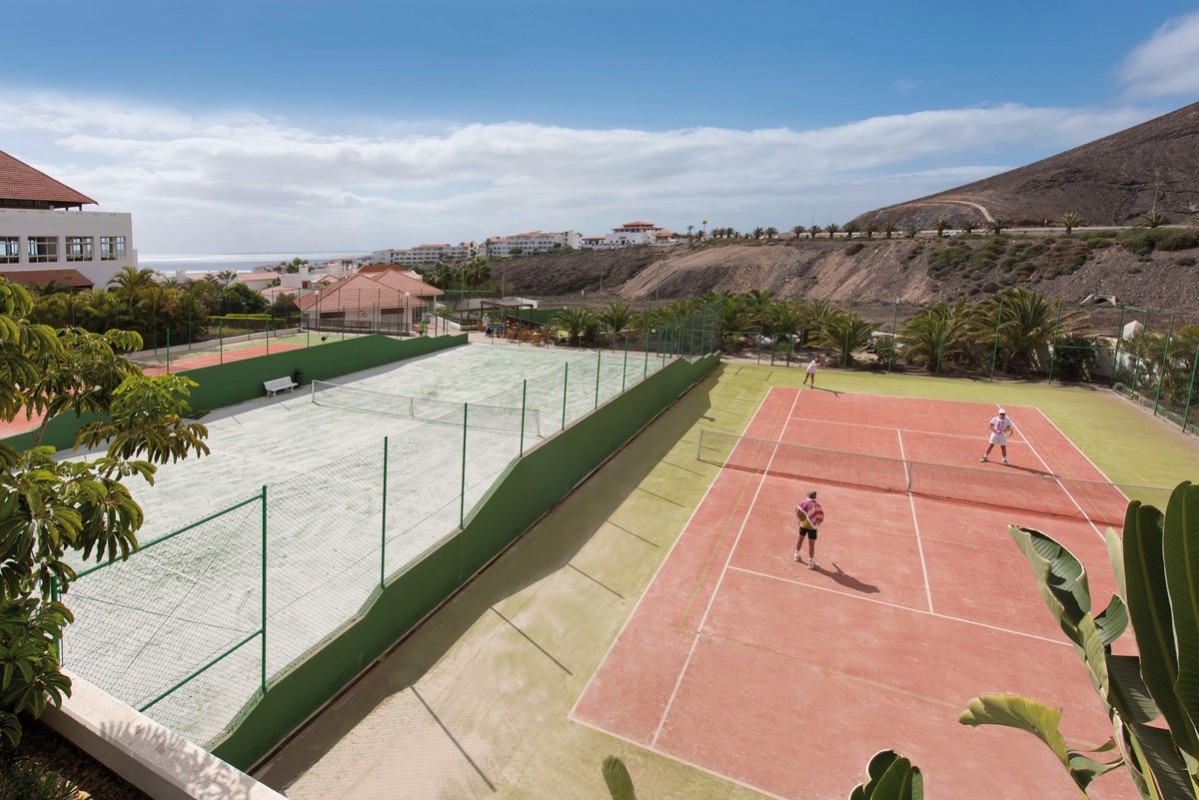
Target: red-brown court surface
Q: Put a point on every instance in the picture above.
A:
(742, 662)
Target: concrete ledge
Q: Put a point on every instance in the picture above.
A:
(162, 764)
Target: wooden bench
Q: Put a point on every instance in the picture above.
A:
(277, 385)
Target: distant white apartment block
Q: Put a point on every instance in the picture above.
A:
(426, 254)
(630, 234)
(525, 244)
(44, 230)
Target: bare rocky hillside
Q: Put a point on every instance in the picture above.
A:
(922, 270)
(1110, 181)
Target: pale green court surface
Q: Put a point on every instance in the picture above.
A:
(475, 703)
(146, 624)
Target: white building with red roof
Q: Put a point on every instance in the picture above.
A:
(383, 301)
(629, 234)
(43, 227)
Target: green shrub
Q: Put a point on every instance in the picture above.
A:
(26, 779)
(854, 249)
(1143, 241)
(1099, 242)
(915, 250)
(1180, 240)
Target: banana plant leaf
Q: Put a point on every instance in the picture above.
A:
(890, 776)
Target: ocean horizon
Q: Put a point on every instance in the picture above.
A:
(214, 262)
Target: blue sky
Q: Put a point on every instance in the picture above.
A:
(273, 126)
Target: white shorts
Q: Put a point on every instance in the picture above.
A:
(999, 439)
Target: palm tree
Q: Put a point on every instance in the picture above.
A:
(845, 331)
(814, 231)
(799, 230)
(226, 277)
(757, 304)
(1070, 221)
(130, 284)
(939, 334)
(912, 231)
(969, 226)
(1153, 219)
(850, 229)
(734, 320)
(689, 229)
(1023, 322)
(941, 224)
(574, 322)
(616, 318)
(772, 232)
(889, 229)
(997, 225)
(831, 229)
(758, 233)
(871, 229)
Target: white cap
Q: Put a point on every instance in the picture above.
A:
(1001, 411)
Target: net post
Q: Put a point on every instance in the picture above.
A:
(462, 494)
(54, 594)
(1161, 373)
(624, 370)
(524, 409)
(383, 533)
(262, 659)
(1186, 412)
(565, 388)
(598, 353)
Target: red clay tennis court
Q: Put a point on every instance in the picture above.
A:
(744, 663)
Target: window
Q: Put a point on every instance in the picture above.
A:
(42, 249)
(10, 249)
(79, 248)
(112, 248)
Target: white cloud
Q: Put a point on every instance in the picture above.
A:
(1167, 64)
(906, 85)
(239, 182)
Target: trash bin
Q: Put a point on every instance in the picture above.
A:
(298, 377)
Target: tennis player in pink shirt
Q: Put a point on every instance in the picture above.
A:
(810, 515)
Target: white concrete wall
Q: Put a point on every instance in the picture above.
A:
(24, 223)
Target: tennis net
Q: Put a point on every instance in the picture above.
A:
(494, 418)
(1100, 502)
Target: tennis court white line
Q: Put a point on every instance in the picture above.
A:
(661, 566)
(907, 430)
(1076, 447)
(1058, 480)
(724, 571)
(928, 589)
(899, 607)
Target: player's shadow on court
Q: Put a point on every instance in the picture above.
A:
(843, 578)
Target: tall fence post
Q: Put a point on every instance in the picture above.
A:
(941, 341)
(462, 495)
(1186, 414)
(1053, 345)
(262, 676)
(624, 371)
(1161, 373)
(894, 336)
(268, 338)
(1136, 362)
(58, 636)
(383, 533)
(524, 401)
(221, 337)
(598, 352)
(168, 351)
(995, 348)
(1116, 352)
(645, 370)
(565, 390)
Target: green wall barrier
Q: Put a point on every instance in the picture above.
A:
(529, 487)
(238, 381)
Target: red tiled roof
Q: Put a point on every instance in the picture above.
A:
(40, 277)
(19, 181)
(382, 290)
(638, 225)
(406, 281)
(433, 245)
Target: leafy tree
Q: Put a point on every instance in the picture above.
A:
(969, 226)
(1153, 219)
(940, 225)
(815, 231)
(293, 266)
(1025, 322)
(871, 228)
(1070, 221)
(130, 284)
(889, 229)
(831, 229)
(50, 509)
(772, 232)
(850, 229)
(226, 277)
(997, 225)
(912, 231)
(1148, 697)
(758, 233)
(799, 230)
